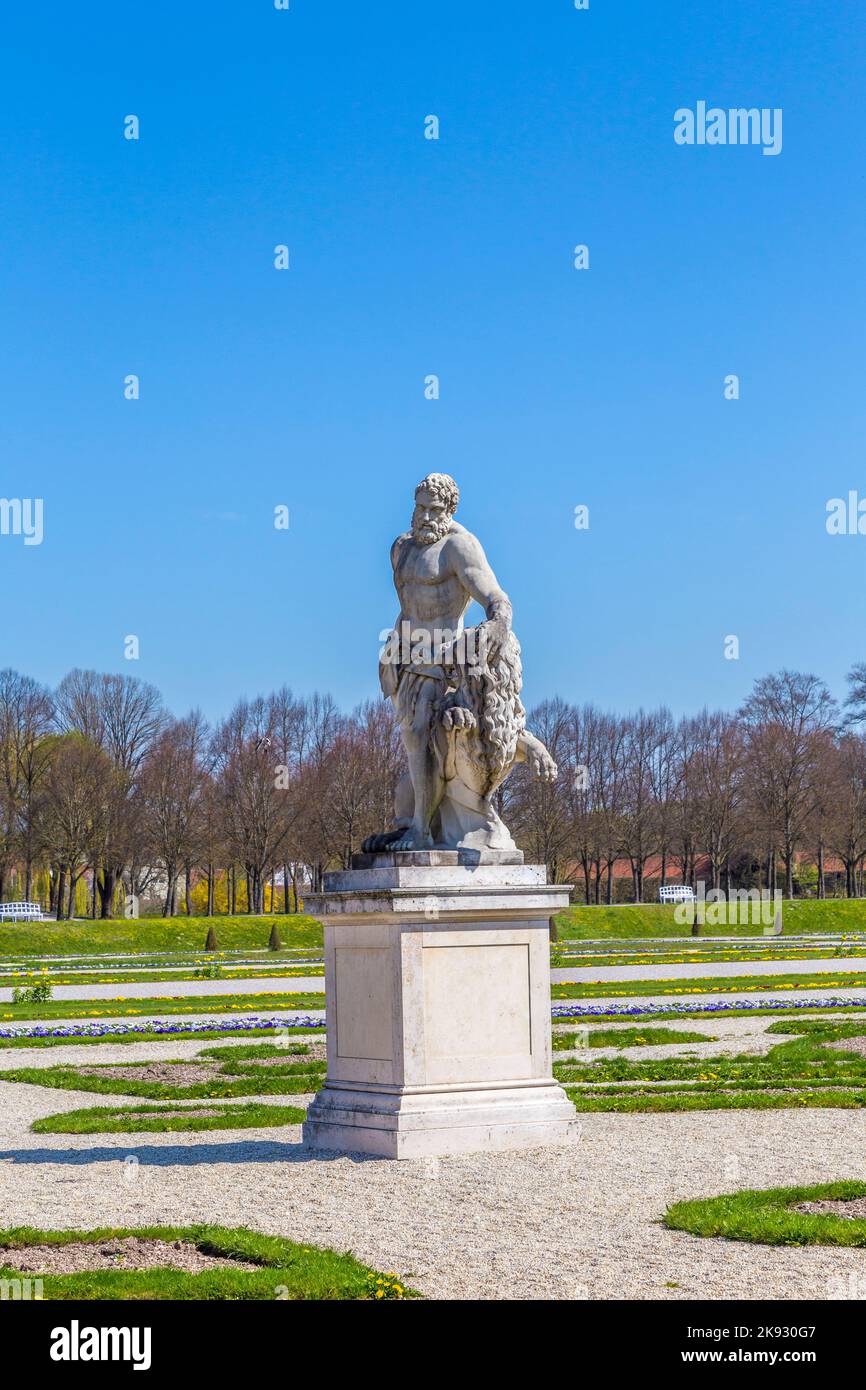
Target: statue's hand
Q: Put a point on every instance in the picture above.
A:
(457, 719)
(493, 635)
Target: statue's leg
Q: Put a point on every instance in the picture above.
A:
(425, 771)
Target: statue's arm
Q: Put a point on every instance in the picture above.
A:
(472, 568)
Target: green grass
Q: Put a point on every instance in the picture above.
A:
(659, 1101)
(801, 1073)
(229, 1080)
(626, 1037)
(800, 916)
(722, 984)
(147, 977)
(288, 1270)
(122, 1119)
(121, 1007)
(120, 935)
(705, 956)
(765, 1216)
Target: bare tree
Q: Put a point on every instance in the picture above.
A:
(781, 719)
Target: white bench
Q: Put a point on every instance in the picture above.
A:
(676, 893)
(21, 912)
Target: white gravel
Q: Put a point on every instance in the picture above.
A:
(577, 1221)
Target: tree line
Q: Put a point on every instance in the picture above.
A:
(107, 797)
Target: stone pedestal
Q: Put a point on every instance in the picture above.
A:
(437, 976)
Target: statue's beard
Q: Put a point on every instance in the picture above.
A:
(428, 532)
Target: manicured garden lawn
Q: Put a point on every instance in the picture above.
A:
(765, 1216)
(229, 1078)
(121, 1007)
(719, 984)
(288, 1270)
(165, 1119)
(715, 955)
(84, 937)
(801, 1073)
(800, 916)
(25, 978)
(626, 1037)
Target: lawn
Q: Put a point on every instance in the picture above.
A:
(121, 1007)
(800, 916)
(625, 1037)
(765, 1216)
(802, 1072)
(288, 1270)
(707, 984)
(121, 935)
(166, 1119)
(225, 1079)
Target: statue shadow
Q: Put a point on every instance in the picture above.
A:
(183, 1155)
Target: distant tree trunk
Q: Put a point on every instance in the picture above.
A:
(187, 873)
(821, 892)
(107, 885)
(210, 888)
(93, 894)
(73, 884)
(168, 909)
(61, 892)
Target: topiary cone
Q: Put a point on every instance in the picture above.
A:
(211, 944)
(275, 944)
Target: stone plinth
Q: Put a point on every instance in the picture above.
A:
(437, 977)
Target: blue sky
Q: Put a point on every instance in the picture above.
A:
(408, 256)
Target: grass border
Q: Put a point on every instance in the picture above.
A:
(763, 1216)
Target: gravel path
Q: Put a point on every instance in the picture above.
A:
(576, 1221)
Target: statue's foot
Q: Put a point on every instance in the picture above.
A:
(412, 839)
(457, 717)
(374, 844)
(541, 764)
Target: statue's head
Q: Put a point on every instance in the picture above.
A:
(436, 498)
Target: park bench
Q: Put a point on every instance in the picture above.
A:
(676, 893)
(21, 912)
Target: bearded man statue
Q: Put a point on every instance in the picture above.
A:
(455, 690)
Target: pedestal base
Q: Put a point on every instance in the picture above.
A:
(437, 981)
(424, 1124)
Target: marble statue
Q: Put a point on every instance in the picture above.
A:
(455, 690)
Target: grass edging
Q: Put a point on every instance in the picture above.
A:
(166, 1119)
(289, 1271)
(763, 1216)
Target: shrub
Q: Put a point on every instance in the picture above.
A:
(32, 994)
